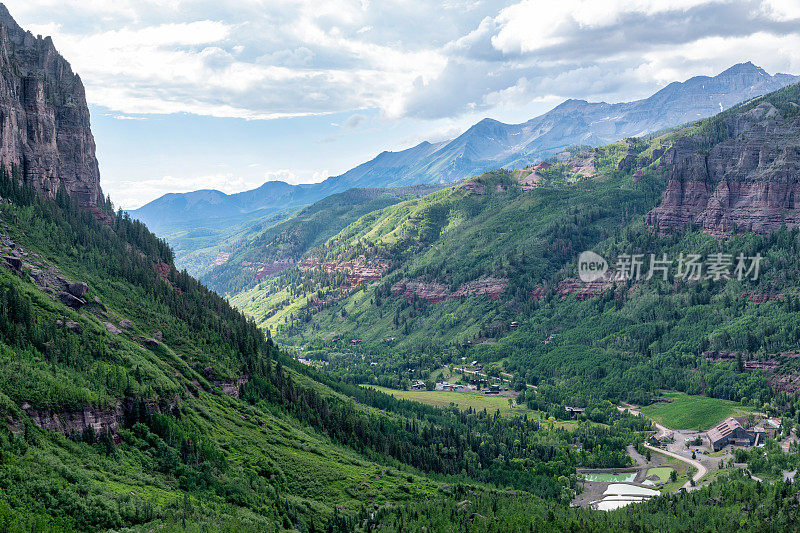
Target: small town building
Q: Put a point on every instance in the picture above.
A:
(419, 384)
(574, 411)
(730, 431)
(774, 423)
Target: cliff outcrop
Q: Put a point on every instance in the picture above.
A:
(44, 120)
(742, 172)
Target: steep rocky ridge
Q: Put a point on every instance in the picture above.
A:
(44, 119)
(741, 172)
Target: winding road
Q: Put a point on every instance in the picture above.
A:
(661, 432)
(701, 470)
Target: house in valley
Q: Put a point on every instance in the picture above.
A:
(730, 431)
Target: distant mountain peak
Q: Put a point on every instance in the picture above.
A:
(743, 68)
(484, 125)
(492, 144)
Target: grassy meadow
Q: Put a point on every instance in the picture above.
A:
(693, 412)
(464, 400)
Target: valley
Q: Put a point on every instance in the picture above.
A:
(414, 344)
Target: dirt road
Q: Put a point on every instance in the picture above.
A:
(661, 432)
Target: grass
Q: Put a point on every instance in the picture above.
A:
(464, 400)
(662, 472)
(683, 470)
(693, 412)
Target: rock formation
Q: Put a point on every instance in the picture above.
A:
(741, 173)
(44, 119)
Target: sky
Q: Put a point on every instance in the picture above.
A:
(196, 94)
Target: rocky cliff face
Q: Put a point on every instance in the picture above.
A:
(744, 174)
(44, 119)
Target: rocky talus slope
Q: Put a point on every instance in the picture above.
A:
(44, 120)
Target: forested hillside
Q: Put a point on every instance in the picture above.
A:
(486, 271)
(269, 247)
(136, 398)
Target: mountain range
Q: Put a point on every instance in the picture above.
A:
(487, 145)
(485, 270)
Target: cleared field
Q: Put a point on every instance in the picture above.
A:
(662, 472)
(464, 400)
(693, 412)
(682, 469)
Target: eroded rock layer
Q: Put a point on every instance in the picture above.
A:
(744, 175)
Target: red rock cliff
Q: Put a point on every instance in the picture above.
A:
(750, 180)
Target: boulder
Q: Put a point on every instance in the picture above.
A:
(158, 336)
(71, 301)
(13, 262)
(71, 325)
(114, 330)
(78, 289)
(125, 323)
(152, 343)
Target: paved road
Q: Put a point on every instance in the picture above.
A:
(701, 470)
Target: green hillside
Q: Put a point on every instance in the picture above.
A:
(179, 449)
(268, 241)
(149, 403)
(486, 271)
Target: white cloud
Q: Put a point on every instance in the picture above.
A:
(782, 10)
(245, 59)
(254, 59)
(535, 24)
(355, 120)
